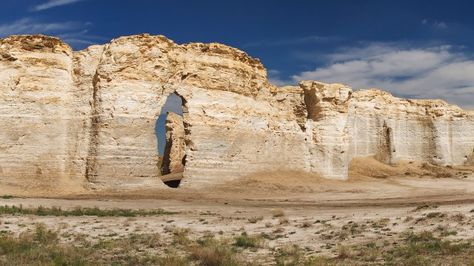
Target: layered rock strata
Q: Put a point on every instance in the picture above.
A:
(89, 116)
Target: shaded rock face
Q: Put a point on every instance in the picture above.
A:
(174, 155)
(89, 116)
(470, 158)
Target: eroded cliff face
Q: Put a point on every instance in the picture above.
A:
(42, 117)
(88, 116)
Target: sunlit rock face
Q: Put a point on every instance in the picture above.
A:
(415, 130)
(89, 117)
(43, 118)
(174, 155)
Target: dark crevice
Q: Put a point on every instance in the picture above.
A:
(91, 160)
(312, 104)
(385, 148)
(173, 183)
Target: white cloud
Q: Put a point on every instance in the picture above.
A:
(432, 72)
(274, 76)
(53, 3)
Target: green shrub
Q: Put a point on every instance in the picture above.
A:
(246, 241)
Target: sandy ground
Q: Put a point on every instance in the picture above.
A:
(318, 229)
(378, 203)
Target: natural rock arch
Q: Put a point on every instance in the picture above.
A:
(174, 153)
(88, 116)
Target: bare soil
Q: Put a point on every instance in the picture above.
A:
(379, 203)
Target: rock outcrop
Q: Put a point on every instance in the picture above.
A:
(174, 155)
(89, 116)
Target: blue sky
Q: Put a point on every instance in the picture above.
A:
(420, 49)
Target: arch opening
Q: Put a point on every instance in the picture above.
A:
(170, 134)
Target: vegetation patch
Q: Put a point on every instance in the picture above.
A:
(79, 211)
(246, 241)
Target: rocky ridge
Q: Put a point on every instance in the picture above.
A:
(88, 117)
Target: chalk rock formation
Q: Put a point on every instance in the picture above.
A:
(173, 161)
(327, 127)
(89, 116)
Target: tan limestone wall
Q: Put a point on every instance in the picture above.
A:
(89, 116)
(40, 114)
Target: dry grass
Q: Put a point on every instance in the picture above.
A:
(180, 236)
(246, 241)
(79, 211)
(212, 252)
(43, 246)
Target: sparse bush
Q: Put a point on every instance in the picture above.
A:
(255, 219)
(173, 260)
(44, 235)
(180, 236)
(383, 222)
(246, 241)
(424, 207)
(432, 215)
(40, 247)
(370, 252)
(344, 252)
(318, 261)
(423, 248)
(306, 224)
(458, 217)
(214, 253)
(351, 228)
(147, 240)
(289, 256)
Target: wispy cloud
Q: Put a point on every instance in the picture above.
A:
(53, 3)
(73, 32)
(440, 25)
(81, 38)
(290, 41)
(428, 72)
(32, 26)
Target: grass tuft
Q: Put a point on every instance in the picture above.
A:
(214, 253)
(246, 241)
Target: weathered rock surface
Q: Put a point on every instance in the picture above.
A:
(89, 116)
(174, 156)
